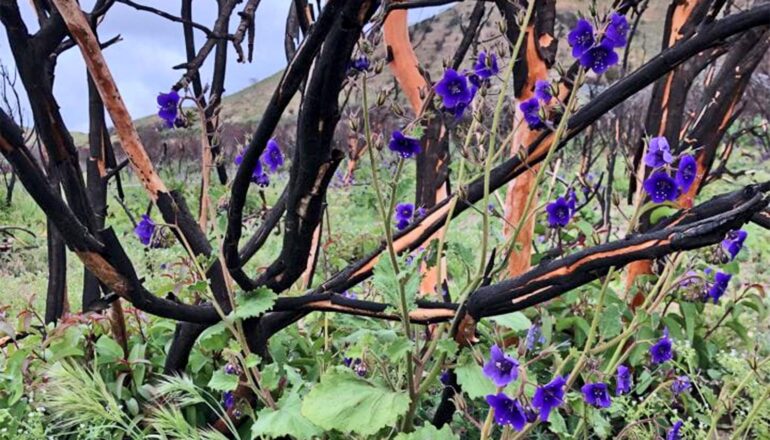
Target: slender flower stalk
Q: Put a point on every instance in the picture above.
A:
(385, 217)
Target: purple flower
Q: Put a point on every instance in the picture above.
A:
(572, 201)
(531, 111)
(507, 411)
(348, 294)
(581, 38)
(231, 369)
(404, 145)
(259, 177)
(145, 229)
(168, 103)
(445, 378)
(238, 159)
(453, 89)
(501, 368)
(534, 336)
(685, 172)
(661, 351)
(403, 215)
(486, 66)
(543, 91)
(661, 187)
(420, 212)
(360, 64)
(596, 395)
(228, 400)
(673, 433)
(733, 243)
(617, 29)
(600, 57)
(559, 213)
(658, 153)
(681, 384)
(719, 286)
(623, 381)
(272, 156)
(549, 396)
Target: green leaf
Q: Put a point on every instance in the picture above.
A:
(254, 303)
(252, 360)
(346, 403)
(690, 312)
(660, 213)
(472, 379)
(428, 432)
(108, 350)
(610, 324)
(214, 337)
(286, 420)
(515, 321)
(447, 346)
(222, 381)
(556, 423)
(399, 349)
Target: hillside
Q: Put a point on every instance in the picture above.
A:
(435, 41)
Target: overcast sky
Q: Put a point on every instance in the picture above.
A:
(142, 62)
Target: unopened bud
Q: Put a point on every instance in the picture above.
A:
(379, 65)
(397, 109)
(381, 97)
(353, 123)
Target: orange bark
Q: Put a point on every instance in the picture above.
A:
(404, 65)
(97, 66)
(520, 187)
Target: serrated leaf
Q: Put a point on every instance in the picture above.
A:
(428, 432)
(222, 381)
(286, 420)
(214, 337)
(399, 349)
(447, 346)
(252, 360)
(254, 303)
(346, 403)
(472, 379)
(515, 321)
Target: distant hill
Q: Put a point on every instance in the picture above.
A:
(435, 41)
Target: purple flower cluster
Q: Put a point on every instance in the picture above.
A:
(486, 66)
(360, 64)
(596, 395)
(662, 350)
(597, 52)
(561, 210)
(530, 108)
(272, 158)
(145, 229)
(403, 215)
(455, 91)
(719, 286)
(733, 243)
(681, 385)
(501, 368)
(660, 186)
(169, 107)
(356, 365)
(405, 146)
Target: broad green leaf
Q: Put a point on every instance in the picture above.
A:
(399, 349)
(556, 423)
(690, 312)
(255, 303)
(610, 324)
(214, 337)
(448, 346)
(515, 321)
(472, 379)
(286, 420)
(108, 350)
(349, 404)
(252, 360)
(428, 432)
(222, 381)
